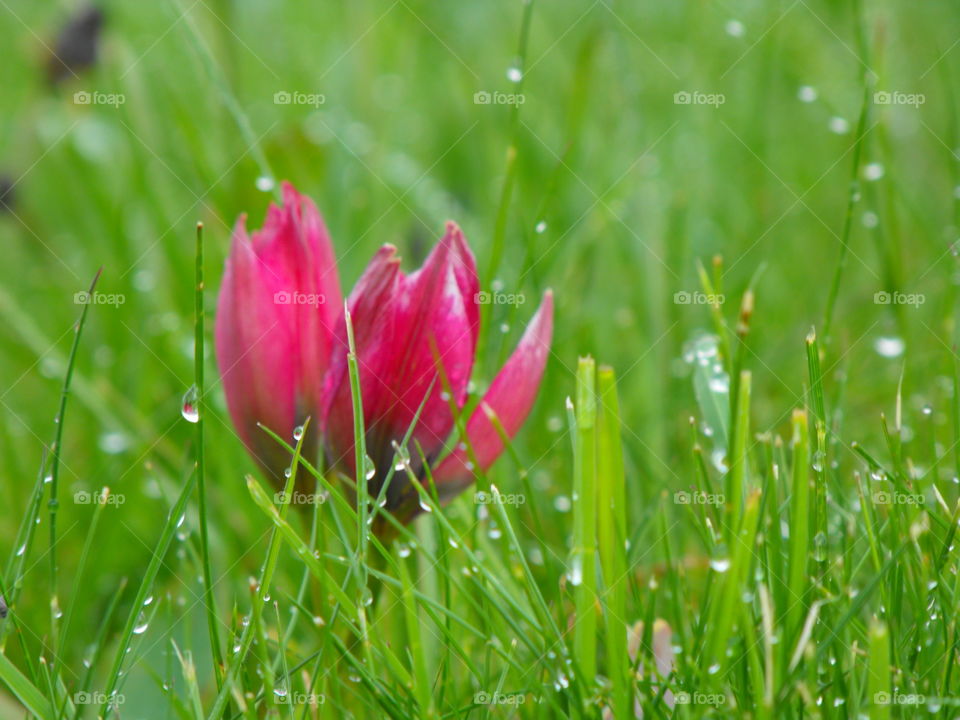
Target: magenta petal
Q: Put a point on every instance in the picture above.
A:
(415, 338)
(509, 398)
(278, 306)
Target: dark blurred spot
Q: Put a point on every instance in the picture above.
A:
(76, 46)
(6, 193)
(3, 608)
(418, 244)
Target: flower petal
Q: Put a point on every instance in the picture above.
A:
(278, 306)
(509, 399)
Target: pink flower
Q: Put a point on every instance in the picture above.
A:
(416, 339)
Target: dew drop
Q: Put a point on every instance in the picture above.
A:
(889, 347)
(141, 627)
(839, 125)
(514, 74)
(298, 432)
(189, 408)
(265, 183)
(735, 28)
(540, 227)
(807, 94)
(720, 565)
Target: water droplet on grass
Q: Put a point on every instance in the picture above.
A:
(188, 408)
(839, 125)
(872, 171)
(807, 94)
(514, 74)
(734, 28)
(720, 565)
(265, 183)
(298, 432)
(889, 346)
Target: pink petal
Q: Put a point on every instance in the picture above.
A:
(278, 306)
(509, 398)
(413, 334)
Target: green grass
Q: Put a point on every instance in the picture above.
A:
(771, 468)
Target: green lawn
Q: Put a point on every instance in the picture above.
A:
(746, 210)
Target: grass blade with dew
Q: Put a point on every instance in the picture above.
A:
(611, 502)
(583, 575)
(266, 572)
(209, 600)
(53, 503)
(174, 519)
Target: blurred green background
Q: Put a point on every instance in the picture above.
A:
(619, 190)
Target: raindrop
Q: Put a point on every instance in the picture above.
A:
(575, 575)
(873, 171)
(280, 692)
(889, 347)
(425, 507)
(807, 94)
(870, 219)
(562, 503)
(265, 183)
(540, 227)
(720, 565)
(839, 125)
(113, 443)
(298, 432)
(734, 28)
(141, 627)
(514, 74)
(189, 408)
(403, 551)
